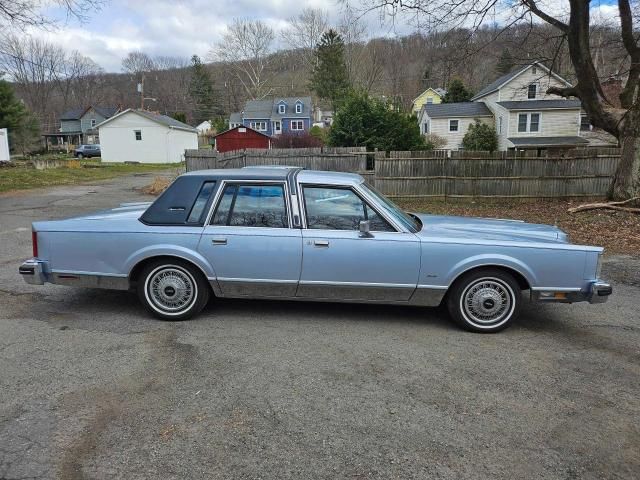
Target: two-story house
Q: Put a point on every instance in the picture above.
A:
(276, 116)
(78, 126)
(429, 96)
(523, 114)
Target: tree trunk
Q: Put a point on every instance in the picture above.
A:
(626, 181)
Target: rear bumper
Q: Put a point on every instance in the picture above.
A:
(33, 271)
(599, 292)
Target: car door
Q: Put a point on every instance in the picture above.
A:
(338, 263)
(249, 242)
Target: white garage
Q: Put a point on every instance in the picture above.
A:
(145, 137)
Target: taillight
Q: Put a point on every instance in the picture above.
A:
(34, 243)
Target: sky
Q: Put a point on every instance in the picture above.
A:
(186, 27)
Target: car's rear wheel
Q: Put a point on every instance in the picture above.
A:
(172, 289)
(485, 300)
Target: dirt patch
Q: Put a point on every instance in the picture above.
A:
(617, 232)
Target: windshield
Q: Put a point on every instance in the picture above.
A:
(410, 222)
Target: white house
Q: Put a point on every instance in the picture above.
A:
(204, 127)
(517, 105)
(4, 145)
(145, 137)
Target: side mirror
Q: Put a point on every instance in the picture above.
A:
(364, 228)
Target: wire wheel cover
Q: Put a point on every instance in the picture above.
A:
(171, 289)
(488, 301)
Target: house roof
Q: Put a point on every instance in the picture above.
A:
(235, 118)
(78, 113)
(460, 109)
(499, 82)
(540, 104)
(156, 117)
(547, 141)
(241, 126)
(263, 109)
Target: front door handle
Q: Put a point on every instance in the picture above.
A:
(321, 243)
(219, 241)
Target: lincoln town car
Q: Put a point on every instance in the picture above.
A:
(292, 234)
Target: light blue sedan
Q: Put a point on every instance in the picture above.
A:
(293, 234)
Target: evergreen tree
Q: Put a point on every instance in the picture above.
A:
(457, 92)
(480, 138)
(364, 121)
(21, 124)
(330, 79)
(202, 93)
(505, 62)
(180, 116)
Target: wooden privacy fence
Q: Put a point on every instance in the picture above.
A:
(574, 173)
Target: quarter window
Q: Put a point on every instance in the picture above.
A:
(138, 134)
(340, 209)
(201, 202)
(297, 125)
(453, 125)
(252, 206)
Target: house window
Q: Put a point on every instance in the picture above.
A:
(532, 91)
(500, 125)
(453, 125)
(138, 134)
(298, 107)
(281, 108)
(534, 70)
(585, 124)
(93, 122)
(259, 126)
(528, 122)
(426, 127)
(297, 125)
(429, 99)
(277, 126)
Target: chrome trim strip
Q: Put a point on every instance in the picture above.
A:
(97, 274)
(556, 289)
(433, 287)
(356, 284)
(255, 280)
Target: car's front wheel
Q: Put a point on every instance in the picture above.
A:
(485, 300)
(172, 289)
(80, 156)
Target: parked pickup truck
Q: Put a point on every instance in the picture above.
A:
(289, 233)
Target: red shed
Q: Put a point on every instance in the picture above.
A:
(239, 138)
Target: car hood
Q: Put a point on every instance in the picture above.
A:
(488, 229)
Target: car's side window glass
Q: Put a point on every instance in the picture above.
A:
(252, 206)
(221, 216)
(201, 202)
(330, 208)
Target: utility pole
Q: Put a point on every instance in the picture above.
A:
(141, 91)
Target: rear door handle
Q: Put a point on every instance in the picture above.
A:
(219, 241)
(321, 243)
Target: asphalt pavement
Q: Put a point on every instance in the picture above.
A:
(92, 387)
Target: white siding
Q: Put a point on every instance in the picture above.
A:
(440, 127)
(517, 88)
(553, 123)
(159, 144)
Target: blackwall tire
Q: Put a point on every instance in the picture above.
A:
(172, 289)
(485, 301)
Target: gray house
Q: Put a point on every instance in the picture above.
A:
(77, 126)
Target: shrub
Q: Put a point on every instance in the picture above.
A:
(480, 137)
(296, 140)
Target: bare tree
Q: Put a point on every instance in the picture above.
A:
(136, 63)
(304, 32)
(73, 77)
(574, 28)
(246, 49)
(29, 13)
(353, 32)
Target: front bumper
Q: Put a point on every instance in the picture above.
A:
(33, 272)
(596, 292)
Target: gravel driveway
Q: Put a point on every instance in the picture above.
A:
(91, 387)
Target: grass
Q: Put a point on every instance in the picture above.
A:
(21, 177)
(617, 232)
